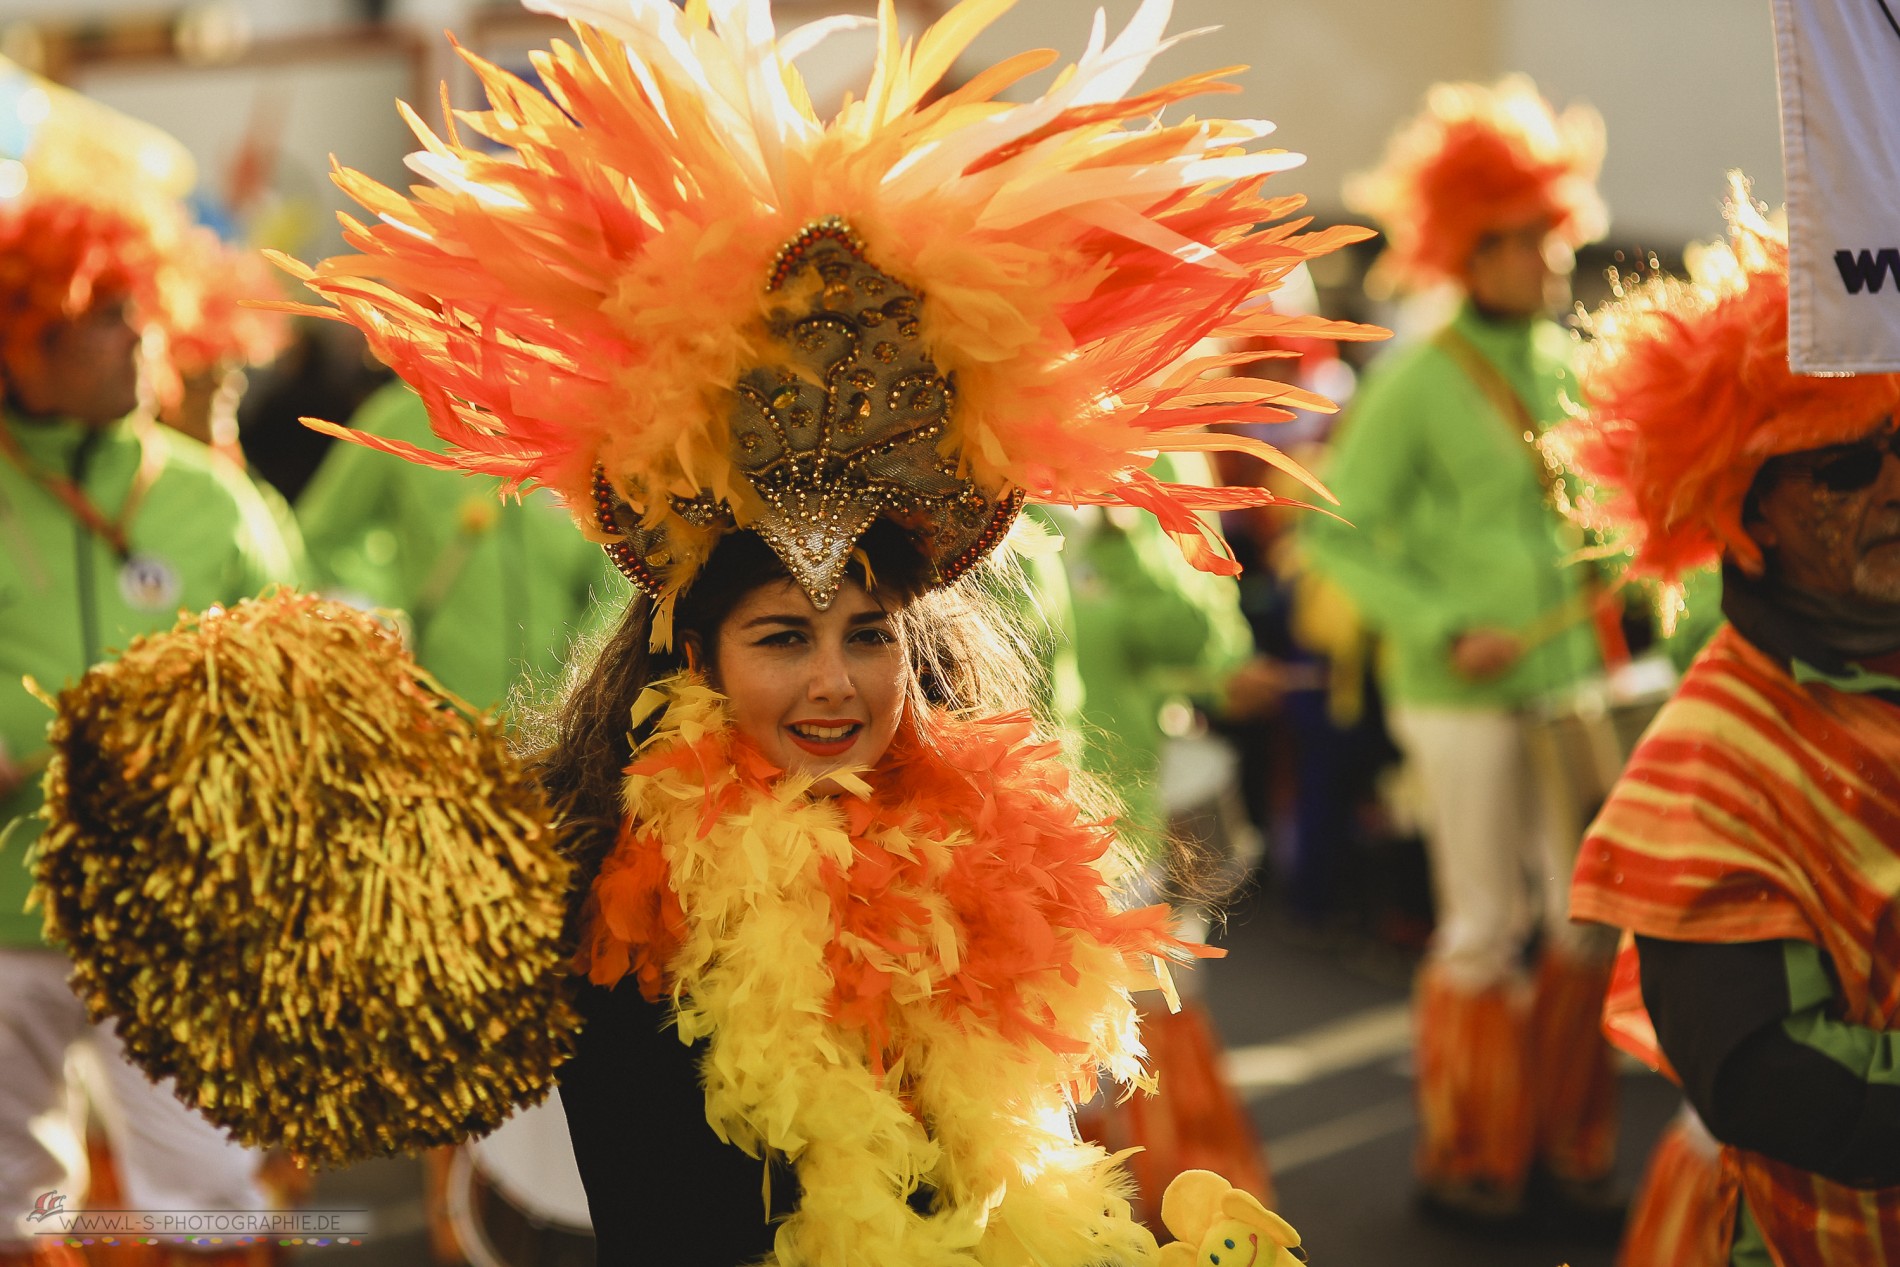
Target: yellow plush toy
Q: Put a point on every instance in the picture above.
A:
(1217, 1225)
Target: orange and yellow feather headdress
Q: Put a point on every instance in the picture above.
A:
(1479, 158)
(678, 289)
(212, 291)
(91, 208)
(61, 254)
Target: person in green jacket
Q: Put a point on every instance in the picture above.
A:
(1456, 553)
(109, 526)
(494, 589)
(1148, 631)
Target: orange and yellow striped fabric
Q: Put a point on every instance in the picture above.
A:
(1681, 1216)
(1760, 808)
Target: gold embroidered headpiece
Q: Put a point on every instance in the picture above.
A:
(846, 425)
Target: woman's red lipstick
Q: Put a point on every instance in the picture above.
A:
(828, 742)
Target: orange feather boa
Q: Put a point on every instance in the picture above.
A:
(939, 952)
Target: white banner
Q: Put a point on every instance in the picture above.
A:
(1839, 64)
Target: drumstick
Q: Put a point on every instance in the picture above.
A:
(1557, 620)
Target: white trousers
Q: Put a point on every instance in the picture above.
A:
(52, 1064)
(1501, 844)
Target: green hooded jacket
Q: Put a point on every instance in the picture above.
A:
(493, 589)
(1149, 628)
(200, 535)
(1450, 525)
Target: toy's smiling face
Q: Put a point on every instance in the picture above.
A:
(1227, 1227)
(1231, 1243)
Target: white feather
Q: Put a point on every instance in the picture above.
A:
(1131, 224)
(804, 39)
(689, 56)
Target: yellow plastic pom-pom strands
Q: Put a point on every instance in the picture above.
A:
(308, 883)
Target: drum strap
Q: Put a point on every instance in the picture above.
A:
(1510, 406)
(1590, 604)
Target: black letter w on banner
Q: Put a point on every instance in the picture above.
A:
(1867, 270)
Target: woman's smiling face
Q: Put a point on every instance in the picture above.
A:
(813, 690)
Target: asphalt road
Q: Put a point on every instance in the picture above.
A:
(1319, 1041)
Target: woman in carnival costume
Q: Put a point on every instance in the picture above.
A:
(842, 911)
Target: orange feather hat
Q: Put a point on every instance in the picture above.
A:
(212, 319)
(89, 210)
(587, 310)
(1691, 392)
(1480, 158)
(59, 255)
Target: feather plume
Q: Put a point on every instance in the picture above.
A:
(591, 297)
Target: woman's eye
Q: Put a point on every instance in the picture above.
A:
(783, 638)
(871, 635)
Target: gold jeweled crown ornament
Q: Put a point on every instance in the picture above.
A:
(690, 306)
(846, 427)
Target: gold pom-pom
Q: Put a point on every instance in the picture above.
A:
(308, 883)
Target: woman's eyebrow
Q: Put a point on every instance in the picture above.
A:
(775, 618)
(875, 616)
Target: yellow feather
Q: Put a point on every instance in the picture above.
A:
(947, 39)
(1017, 1189)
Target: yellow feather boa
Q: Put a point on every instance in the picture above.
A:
(939, 1096)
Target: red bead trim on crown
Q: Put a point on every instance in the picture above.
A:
(998, 528)
(831, 227)
(626, 558)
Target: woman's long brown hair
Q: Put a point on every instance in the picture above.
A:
(966, 655)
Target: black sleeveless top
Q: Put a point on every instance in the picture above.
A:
(661, 1187)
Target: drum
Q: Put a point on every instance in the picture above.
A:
(515, 1198)
(1199, 782)
(1582, 738)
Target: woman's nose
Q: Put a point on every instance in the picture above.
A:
(830, 675)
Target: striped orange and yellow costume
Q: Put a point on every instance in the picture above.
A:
(1760, 807)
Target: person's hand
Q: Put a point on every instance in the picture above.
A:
(1254, 690)
(1479, 655)
(12, 774)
